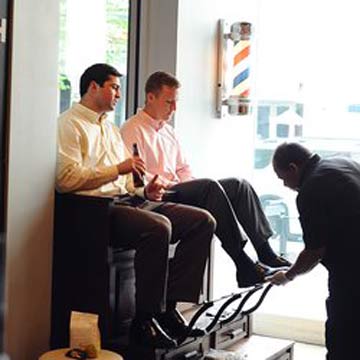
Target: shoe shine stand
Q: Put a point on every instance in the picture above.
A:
(220, 329)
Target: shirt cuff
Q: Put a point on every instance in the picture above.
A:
(140, 192)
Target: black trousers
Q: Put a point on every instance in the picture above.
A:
(343, 319)
(235, 207)
(149, 228)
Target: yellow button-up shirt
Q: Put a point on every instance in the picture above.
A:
(89, 148)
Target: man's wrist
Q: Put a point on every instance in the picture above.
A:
(290, 275)
(118, 167)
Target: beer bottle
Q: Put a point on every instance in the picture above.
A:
(137, 178)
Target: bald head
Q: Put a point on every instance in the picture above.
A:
(288, 162)
(288, 153)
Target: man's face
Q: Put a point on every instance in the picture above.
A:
(107, 95)
(163, 105)
(290, 176)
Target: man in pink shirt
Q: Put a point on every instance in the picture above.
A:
(233, 202)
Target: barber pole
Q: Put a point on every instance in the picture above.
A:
(241, 67)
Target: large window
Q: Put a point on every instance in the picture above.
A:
(90, 32)
(307, 90)
(307, 86)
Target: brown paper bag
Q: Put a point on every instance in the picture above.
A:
(84, 333)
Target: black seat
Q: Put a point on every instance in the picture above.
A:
(88, 274)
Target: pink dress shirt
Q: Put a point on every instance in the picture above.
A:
(158, 147)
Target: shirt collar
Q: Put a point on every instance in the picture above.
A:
(308, 168)
(155, 124)
(90, 114)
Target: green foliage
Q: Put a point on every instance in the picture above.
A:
(63, 82)
(117, 18)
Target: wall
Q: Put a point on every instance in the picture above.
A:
(180, 36)
(158, 40)
(216, 147)
(31, 172)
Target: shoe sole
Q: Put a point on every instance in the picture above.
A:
(270, 270)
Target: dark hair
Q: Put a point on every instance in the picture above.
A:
(98, 73)
(158, 79)
(287, 153)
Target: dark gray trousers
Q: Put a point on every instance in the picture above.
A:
(343, 318)
(149, 228)
(235, 207)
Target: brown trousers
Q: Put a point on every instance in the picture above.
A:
(149, 228)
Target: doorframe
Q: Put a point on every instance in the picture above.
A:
(4, 143)
(133, 57)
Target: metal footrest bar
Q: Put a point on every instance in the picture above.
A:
(259, 302)
(241, 305)
(221, 311)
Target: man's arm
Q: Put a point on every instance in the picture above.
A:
(305, 262)
(73, 175)
(183, 169)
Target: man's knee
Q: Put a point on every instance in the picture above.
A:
(236, 182)
(207, 219)
(212, 185)
(163, 225)
(161, 231)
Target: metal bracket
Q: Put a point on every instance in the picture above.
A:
(3, 30)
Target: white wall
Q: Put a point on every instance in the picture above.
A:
(180, 36)
(216, 147)
(31, 172)
(158, 40)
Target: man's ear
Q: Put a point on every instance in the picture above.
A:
(93, 85)
(150, 97)
(293, 168)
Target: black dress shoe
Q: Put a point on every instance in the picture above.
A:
(268, 270)
(250, 278)
(175, 325)
(148, 333)
(276, 262)
(268, 257)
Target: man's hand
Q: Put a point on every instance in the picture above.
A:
(306, 261)
(132, 164)
(154, 190)
(278, 278)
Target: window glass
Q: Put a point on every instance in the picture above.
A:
(92, 32)
(307, 71)
(306, 89)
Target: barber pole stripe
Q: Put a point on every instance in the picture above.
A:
(241, 70)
